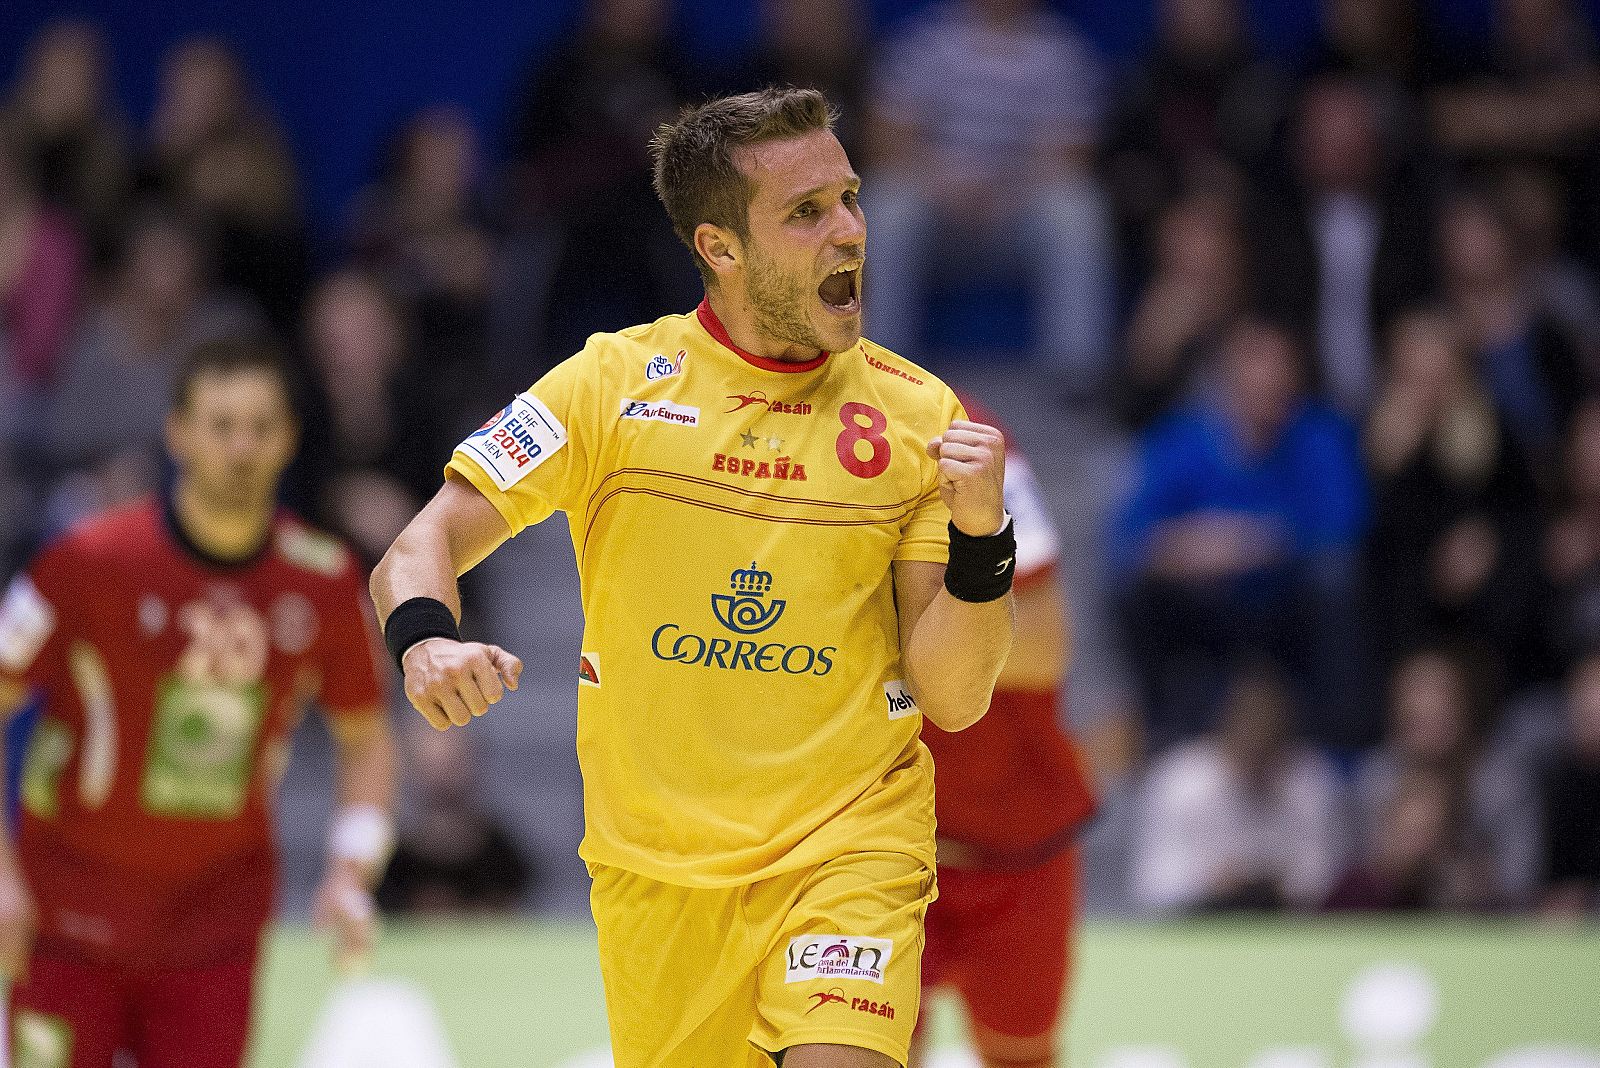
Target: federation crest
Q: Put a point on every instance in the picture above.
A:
(746, 610)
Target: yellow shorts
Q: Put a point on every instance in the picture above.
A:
(721, 978)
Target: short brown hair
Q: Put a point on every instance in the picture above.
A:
(231, 356)
(695, 175)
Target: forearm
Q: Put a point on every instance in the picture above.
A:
(955, 655)
(418, 564)
(365, 790)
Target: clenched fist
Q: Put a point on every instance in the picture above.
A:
(972, 469)
(451, 682)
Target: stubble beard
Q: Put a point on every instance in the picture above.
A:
(779, 304)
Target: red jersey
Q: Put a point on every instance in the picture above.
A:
(1012, 787)
(171, 685)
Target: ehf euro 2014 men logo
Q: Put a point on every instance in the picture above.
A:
(746, 610)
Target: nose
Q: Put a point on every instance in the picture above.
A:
(851, 227)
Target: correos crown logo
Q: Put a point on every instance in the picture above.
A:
(749, 609)
(745, 611)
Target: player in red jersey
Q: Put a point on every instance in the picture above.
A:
(175, 644)
(1010, 795)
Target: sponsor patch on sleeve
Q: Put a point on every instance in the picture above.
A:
(524, 435)
(901, 703)
(834, 956)
(588, 669)
(26, 622)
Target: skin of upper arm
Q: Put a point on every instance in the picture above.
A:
(916, 584)
(473, 527)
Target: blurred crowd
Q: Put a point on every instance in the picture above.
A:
(1345, 310)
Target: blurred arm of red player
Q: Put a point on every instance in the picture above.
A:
(17, 915)
(1042, 649)
(360, 839)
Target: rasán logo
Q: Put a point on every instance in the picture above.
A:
(744, 611)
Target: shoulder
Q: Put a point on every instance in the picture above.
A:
(310, 552)
(123, 532)
(906, 384)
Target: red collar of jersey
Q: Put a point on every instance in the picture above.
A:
(714, 327)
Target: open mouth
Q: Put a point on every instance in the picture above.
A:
(841, 290)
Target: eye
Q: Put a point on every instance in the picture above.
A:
(804, 211)
(851, 198)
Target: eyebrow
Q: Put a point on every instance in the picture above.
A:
(854, 181)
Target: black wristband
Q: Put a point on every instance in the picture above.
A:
(415, 621)
(981, 569)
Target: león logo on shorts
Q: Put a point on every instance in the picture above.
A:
(836, 956)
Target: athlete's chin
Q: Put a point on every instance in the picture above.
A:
(839, 333)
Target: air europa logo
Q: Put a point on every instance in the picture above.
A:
(747, 610)
(660, 411)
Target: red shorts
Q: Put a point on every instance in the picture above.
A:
(1002, 940)
(70, 1015)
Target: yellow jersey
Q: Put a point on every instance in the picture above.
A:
(741, 705)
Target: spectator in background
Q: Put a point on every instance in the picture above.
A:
(1454, 497)
(816, 44)
(1571, 551)
(1533, 92)
(115, 384)
(984, 115)
(1420, 854)
(1571, 799)
(1202, 106)
(216, 153)
(1197, 288)
(1535, 201)
(1242, 817)
(424, 228)
(1342, 243)
(1381, 46)
(70, 135)
(381, 413)
(1238, 540)
(1438, 723)
(41, 283)
(580, 199)
(1531, 369)
(451, 855)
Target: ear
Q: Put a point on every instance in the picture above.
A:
(720, 248)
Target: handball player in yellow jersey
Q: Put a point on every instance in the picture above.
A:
(792, 546)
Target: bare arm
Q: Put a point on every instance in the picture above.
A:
(448, 682)
(364, 751)
(452, 534)
(953, 650)
(1041, 650)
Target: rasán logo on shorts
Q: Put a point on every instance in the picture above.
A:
(747, 610)
(835, 956)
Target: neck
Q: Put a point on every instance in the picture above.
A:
(738, 318)
(219, 532)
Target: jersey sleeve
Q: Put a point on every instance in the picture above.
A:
(926, 534)
(1038, 546)
(354, 678)
(533, 457)
(31, 617)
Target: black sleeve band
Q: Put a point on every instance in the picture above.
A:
(981, 569)
(417, 620)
